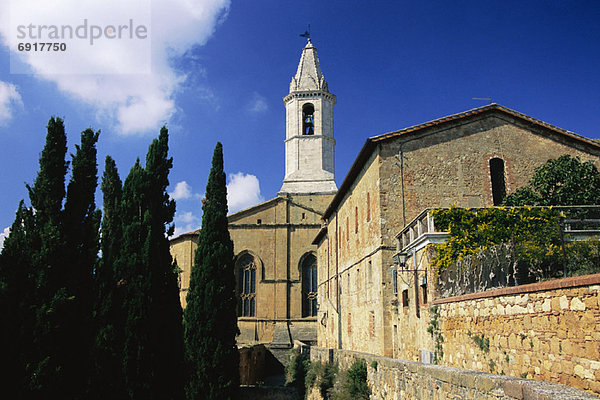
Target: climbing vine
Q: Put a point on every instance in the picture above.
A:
(533, 233)
(436, 333)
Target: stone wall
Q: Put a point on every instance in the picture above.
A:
(397, 379)
(547, 331)
(278, 235)
(449, 164)
(354, 283)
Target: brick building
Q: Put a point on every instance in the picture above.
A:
(275, 262)
(471, 159)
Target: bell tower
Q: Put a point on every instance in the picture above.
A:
(309, 142)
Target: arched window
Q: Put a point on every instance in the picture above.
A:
(309, 286)
(498, 182)
(247, 285)
(308, 119)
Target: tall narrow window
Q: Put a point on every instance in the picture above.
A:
(308, 118)
(309, 286)
(247, 288)
(498, 182)
(368, 207)
(347, 229)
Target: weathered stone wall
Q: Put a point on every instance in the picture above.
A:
(548, 331)
(278, 234)
(397, 379)
(449, 164)
(354, 283)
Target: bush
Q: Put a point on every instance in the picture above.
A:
(295, 370)
(355, 383)
(322, 375)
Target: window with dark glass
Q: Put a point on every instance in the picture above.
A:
(247, 288)
(498, 182)
(309, 286)
(308, 118)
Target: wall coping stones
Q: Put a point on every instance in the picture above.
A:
(555, 284)
(504, 387)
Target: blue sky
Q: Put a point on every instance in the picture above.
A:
(220, 70)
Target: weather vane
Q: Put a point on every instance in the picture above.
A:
(306, 33)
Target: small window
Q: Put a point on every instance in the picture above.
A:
(347, 229)
(395, 282)
(405, 298)
(498, 181)
(258, 221)
(424, 293)
(308, 118)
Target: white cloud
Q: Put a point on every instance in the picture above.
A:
(186, 222)
(9, 97)
(138, 102)
(258, 104)
(183, 191)
(243, 191)
(3, 236)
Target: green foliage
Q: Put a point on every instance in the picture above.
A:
(583, 257)
(299, 371)
(481, 341)
(436, 333)
(108, 314)
(210, 319)
(322, 374)
(153, 337)
(562, 181)
(356, 381)
(55, 252)
(492, 365)
(534, 232)
(374, 365)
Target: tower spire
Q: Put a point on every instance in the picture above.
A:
(309, 144)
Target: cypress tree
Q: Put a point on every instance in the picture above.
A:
(17, 300)
(165, 307)
(153, 359)
(81, 223)
(46, 377)
(210, 322)
(107, 379)
(137, 354)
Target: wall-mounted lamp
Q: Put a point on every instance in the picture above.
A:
(400, 259)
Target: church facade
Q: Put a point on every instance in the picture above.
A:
(275, 260)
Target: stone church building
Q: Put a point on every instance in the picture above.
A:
(275, 260)
(315, 263)
(471, 159)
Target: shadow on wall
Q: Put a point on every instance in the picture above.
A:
(258, 366)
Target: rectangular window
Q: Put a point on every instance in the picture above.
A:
(395, 283)
(405, 298)
(349, 323)
(424, 293)
(368, 207)
(347, 229)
